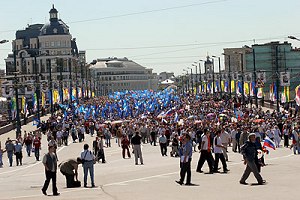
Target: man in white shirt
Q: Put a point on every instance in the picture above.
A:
(87, 158)
(218, 147)
(233, 139)
(205, 153)
(225, 137)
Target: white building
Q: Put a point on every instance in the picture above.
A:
(114, 74)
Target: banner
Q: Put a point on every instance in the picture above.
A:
(285, 78)
(248, 77)
(30, 88)
(7, 89)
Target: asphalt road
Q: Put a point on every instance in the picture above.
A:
(121, 179)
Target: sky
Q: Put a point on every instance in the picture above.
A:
(165, 35)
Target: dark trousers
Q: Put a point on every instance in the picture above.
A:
(50, 175)
(222, 158)
(37, 153)
(205, 156)
(286, 140)
(185, 168)
(19, 157)
(124, 149)
(163, 149)
(101, 155)
(69, 179)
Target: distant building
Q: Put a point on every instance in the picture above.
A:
(272, 62)
(165, 75)
(235, 58)
(40, 46)
(120, 74)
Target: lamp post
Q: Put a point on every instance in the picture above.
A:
(242, 70)
(187, 80)
(220, 78)
(70, 77)
(76, 74)
(293, 38)
(196, 82)
(51, 87)
(38, 90)
(16, 83)
(277, 79)
(229, 73)
(254, 71)
(192, 80)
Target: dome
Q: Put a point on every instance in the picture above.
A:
(55, 28)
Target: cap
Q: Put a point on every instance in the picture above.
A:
(251, 134)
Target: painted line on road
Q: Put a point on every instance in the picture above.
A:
(19, 169)
(124, 183)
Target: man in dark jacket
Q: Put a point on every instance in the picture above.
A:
(249, 152)
(50, 163)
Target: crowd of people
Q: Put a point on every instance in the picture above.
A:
(186, 123)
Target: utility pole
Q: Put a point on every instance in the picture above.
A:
(50, 81)
(242, 68)
(16, 87)
(277, 79)
(254, 71)
(61, 81)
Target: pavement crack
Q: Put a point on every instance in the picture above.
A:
(108, 194)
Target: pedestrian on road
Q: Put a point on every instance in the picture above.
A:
(125, 146)
(87, 158)
(37, 147)
(205, 153)
(218, 146)
(185, 153)
(9, 147)
(50, 164)
(163, 144)
(249, 152)
(28, 144)
(1, 156)
(69, 169)
(136, 145)
(18, 152)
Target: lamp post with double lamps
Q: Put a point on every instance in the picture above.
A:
(187, 80)
(220, 77)
(229, 73)
(192, 80)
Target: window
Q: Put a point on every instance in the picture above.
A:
(52, 44)
(58, 43)
(47, 44)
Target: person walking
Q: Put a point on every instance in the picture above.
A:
(249, 152)
(69, 169)
(9, 147)
(28, 144)
(50, 164)
(18, 152)
(136, 144)
(37, 147)
(205, 155)
(125, 146)
(185, 153)
(219, 155)
(87, 158)
(163, 144)
(1, 155)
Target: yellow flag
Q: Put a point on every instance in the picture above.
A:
(232, 85)
(246, 88)
(43, 99)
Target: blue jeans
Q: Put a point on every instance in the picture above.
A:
(28, 149)
(88, 166)
(10, 157)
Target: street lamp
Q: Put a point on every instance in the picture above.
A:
(192, 79)
(220, 78)
(3, 41)
(187, 80)
(229, 72)
(242, 70)
(293, 38)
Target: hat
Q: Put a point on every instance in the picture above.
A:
(251, 134)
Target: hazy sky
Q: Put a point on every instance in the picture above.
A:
(166, 35)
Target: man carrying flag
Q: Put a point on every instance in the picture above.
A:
(269, 143)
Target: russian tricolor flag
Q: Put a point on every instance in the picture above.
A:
(269, 143)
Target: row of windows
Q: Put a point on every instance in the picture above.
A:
(55, 44)
(114, 78)
(120, 73)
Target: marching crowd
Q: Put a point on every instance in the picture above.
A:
(209, 125)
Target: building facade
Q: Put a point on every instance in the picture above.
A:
(115, 74)
(235, 58)
(274, 58)
(41, 48)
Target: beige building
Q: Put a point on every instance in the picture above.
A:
(235, 58)
(115, 74)
(41, 47)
